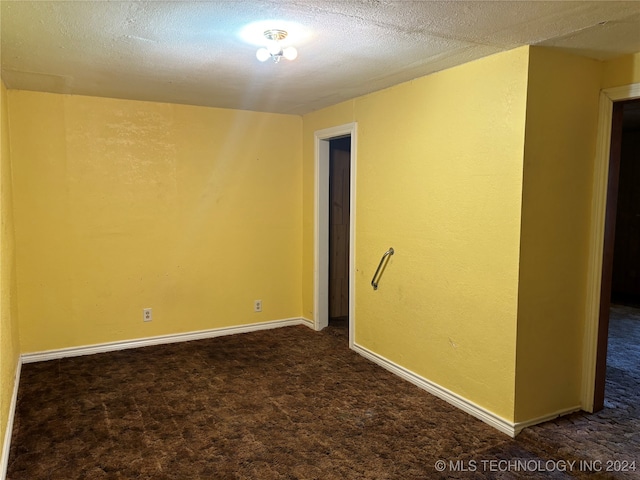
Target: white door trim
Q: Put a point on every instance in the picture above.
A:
(321, 225)
(596, 244)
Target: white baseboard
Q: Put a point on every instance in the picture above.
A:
(448, 396)
(501, 424)
(309, 323)
(6, 445)
(124, 345)
(505, 426)
(160, 340)
(519, 426)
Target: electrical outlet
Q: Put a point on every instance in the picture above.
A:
(257, 305)
(146, 315)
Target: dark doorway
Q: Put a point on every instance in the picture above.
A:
(621, 257)
(339, 214)
(625, 284)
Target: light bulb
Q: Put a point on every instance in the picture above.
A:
(262, 54)
(290, 53)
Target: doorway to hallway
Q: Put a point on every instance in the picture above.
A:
(339, 221)
(321, 303)
(621, 258)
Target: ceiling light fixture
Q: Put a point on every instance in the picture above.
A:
(274, 48)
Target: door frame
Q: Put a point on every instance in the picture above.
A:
(321, 224)
(596, 237)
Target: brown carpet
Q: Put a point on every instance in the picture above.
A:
(283, 404)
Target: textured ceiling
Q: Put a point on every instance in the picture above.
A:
(194, 53)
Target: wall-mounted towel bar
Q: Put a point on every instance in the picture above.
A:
(380, 269)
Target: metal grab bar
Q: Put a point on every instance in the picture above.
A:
(374, 282)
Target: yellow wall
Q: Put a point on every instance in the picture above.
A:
(439, 178)
(9, 339)
(196, 212)
(121, 205)
(562, 113)
(443, 162)
(624, 70)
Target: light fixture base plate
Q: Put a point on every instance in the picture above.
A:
(275, 34)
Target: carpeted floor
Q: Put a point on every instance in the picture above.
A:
(293, 404)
